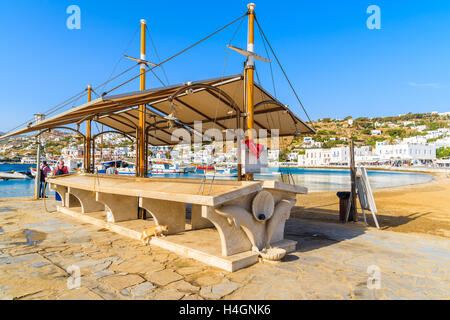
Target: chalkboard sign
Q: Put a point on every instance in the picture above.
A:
(365, 194)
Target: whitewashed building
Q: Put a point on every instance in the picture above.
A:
(335, 156)
(315, 158)
(407, 152)
(415, 139)
(375, 132)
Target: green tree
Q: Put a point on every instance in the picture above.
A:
(443, 152)
(396, 133)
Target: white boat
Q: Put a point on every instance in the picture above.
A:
(126, 171)
(162, 168)
(190, 169)
(122, 167)
(15, 175)
(226, 172)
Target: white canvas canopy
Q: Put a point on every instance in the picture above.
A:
(217, 103)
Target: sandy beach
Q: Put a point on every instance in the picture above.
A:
(422, 208)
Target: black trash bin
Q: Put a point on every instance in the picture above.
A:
(343, 202)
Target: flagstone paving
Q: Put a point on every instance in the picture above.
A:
(39, 252)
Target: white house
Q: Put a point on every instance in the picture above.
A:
(420, 128)
(443, 142)
(334, 156)
(315, 158)
(415, 139)
(375, 132)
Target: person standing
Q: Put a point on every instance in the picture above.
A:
(43, 171)
(60, 169)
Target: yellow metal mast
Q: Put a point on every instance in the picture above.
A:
(249, 74)
(87, 148)
(142, 110)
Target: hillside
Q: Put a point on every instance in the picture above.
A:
(330, 131)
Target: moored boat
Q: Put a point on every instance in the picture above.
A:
(15, 175)
(226, 172)
(162, 168)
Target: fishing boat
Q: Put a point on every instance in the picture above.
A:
(16, 175)
(121, 166)
(163, 168)
(226, 172)
(190, 169)
(205, 168)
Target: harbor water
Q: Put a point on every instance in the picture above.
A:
(316, 180)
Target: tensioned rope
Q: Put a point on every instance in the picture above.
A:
(282, 69)
(121, 56)
(53, 109)
(224, 69)
(218, 102)
(270, 64)
(74, 98)
(70, 100)
(157, 54)
(177, 54)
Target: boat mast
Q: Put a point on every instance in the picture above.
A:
(249, 75)
(87, 143)
(142, 110)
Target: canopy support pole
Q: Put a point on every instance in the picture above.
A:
(87, 145)
(142, 172)
(238, 141)
(249, 76)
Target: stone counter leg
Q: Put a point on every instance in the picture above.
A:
(275, 226)
(166, 213)
(242, 218)
(71, 201)
(197, 221)
(61, 190)
(233, 239)
(87, 200)
(118, 208)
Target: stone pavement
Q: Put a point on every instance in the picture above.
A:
(41, 252)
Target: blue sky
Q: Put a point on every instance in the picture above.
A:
(338, 66)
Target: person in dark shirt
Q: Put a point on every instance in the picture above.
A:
(43, 171)
(61, 169)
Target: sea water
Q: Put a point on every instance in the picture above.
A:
(17, 188)
(315, 180)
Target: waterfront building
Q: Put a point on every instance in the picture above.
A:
(414, 153)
